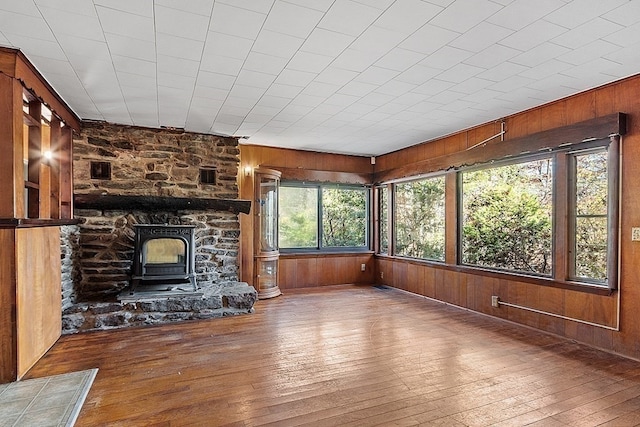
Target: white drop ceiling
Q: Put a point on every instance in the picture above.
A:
(362, 77)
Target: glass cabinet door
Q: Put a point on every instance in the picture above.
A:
(268, 202)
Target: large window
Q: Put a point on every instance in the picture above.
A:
(507, 216)
(419, 218)
(323, 216)
(551, 215)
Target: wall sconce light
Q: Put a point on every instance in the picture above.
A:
(247, 170)
(47, 156)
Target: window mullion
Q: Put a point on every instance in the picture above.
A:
(563, 207)
(320, 218)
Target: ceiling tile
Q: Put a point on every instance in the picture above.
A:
(538, 54)
(325, 42)
(39, 47)
(576, 13)
(446, 58)
(429, 39)
(376, 75)
(310, 62)
(587, 33)
(138, 7)
(481, 37)
(407, 16)
(377, 40)
(224, 45)
(126, 24)
(134, 66)
(589, 52)
(293, 20)
(462, 15)
(491, 56)
(349, 17)
(277, 44)
(626, 14)
(25, 7)
(236, 21)
(319, 5)
(262, 6)
(264, 63)
(181, 24)
(82, 26)
(356, 60)
(336, 76)
(502, 71)
(255, 79)
(79, 7)
(533, 35)
(418, 74)
(399, 59)
(133, 48)
(520, 13)
(26, 26)
(201, 7)
(179, 47)
(295, 77)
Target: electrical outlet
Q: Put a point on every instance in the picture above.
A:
(495, 301)
(635, 234)
(363, 267)
(382, 274)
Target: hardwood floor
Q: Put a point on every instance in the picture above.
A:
(347, 356)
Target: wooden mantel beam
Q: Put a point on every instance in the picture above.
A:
(159, 203)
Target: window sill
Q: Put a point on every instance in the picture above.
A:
(320, 253)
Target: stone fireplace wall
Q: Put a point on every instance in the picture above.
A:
(98, 253)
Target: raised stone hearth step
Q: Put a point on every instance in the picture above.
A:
(157, 307)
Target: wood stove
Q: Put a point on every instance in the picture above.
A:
(164, 258)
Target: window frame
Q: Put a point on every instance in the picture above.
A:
(320, 248)
(561, 236)
(460, 211)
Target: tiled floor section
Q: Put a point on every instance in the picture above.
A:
(44, 402)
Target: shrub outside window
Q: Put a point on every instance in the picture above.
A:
(420, 218)
(383, 194)
(507, 216)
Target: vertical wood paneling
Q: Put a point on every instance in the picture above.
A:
(581, 107)
(307, 272)
(12, 151)
(8, 338)
(287, 273)
(39, 311)
(430, 282)
(605, 100)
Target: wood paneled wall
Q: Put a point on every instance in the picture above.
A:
(39, 312)
(474, 291)
(303, 270)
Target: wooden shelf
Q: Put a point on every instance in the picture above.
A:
(33, 185)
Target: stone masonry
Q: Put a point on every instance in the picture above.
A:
(97, 254)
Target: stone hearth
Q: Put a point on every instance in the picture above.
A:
(218, 300)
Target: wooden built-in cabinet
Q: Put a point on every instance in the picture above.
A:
(36, 191)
